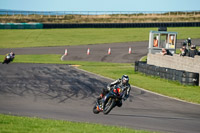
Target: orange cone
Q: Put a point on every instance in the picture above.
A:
(109, 51)
(129, 50)
(88, 51)
(66, 52)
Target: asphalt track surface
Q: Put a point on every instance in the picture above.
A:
(64, 92)
(119, 52)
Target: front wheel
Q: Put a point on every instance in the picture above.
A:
(108, 105)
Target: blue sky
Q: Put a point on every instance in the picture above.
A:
(101, 5)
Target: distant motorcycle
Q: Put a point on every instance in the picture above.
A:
(109, 101)
(8, 58)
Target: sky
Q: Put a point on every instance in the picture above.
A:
(101, 5)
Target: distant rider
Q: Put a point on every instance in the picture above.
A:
(9, 57)
(123, 83)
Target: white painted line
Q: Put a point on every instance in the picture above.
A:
(62, 57)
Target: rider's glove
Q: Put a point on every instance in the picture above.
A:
(108, 87)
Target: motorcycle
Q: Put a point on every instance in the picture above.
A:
(109, 101)
(8, 59)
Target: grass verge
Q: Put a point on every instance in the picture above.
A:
(62, 37)
(115, 70)
(18, 124)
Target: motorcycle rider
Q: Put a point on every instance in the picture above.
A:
(12, 56)
(122, 83)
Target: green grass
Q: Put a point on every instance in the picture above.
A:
(116, 70)
(16, 124)
(63, 37)
(144, 58)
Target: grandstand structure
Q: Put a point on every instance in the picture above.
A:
(10, 16)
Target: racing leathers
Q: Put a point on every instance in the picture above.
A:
(125, 86)
(118, 82)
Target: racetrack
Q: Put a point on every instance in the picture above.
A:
(67, 93)
(119, 52)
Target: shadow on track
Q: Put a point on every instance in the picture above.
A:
(54, 82)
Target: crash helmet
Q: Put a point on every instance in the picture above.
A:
(125, 79)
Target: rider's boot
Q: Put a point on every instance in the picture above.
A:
(99, 102)
(119, 103)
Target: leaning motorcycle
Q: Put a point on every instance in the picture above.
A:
(7, 59)
(109, 101)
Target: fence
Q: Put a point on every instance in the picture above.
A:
(98, 16)
(98, 13)
(21, 26)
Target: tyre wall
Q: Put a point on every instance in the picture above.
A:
(184, 77)
(179, 63)
(94, 25)
(120, 25)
